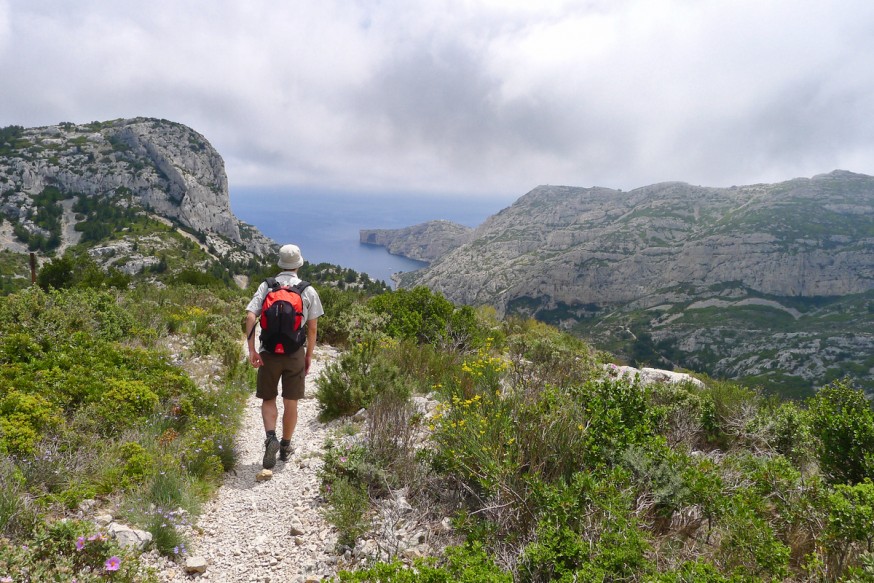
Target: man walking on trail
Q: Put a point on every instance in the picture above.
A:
(290, 366)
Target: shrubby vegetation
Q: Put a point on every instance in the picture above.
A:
(555, 468)
(91, 408)
(551, 466)
(10, 139)
(102, 217)
(47, 218)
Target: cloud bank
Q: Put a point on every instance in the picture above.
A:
(463, 96)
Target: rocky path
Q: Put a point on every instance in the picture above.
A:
(271, 531)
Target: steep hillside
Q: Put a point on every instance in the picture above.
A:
(164, 167)
(425, 242)
(673, 272)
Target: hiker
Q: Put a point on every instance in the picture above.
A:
(284, 358)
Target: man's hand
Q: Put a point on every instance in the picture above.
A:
(254, 357)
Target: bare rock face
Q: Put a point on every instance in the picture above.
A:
(770, 282)
(169, 168)
(425, 242)
(573, 246)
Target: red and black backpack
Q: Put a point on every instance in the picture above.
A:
(282, 325)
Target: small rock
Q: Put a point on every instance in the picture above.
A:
(102, 519)
(128, 537)
(195, 564)
(87, 505)
(296, 528)
(263, 476)
(403, 505)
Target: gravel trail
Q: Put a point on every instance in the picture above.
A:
(271, 531)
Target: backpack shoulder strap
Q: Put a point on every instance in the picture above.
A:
(300, 286)
(271, 283)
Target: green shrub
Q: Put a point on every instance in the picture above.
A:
(78, 269)
(16, 516)
(427, 317)
(465, 564)
(733, 407)
(347, 507)
(355, 379)
(658, 472)
(541, 354)
(353, 463)
(586, 531)
(748, 544)
(683, 413)
(70, 551)
(25, 418)
(850, 520)
(391, 425)
(842, 422)
(786, 429)
(124, 401)
(139, 465)
(348, 320)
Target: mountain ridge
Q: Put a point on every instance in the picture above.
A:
(168, 168)
(583, 258)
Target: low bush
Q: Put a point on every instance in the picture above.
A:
(842, 421)
(70, 551)
(428, 318)
(464, 564)
(356, 378)
(347, 508)
(95, 414)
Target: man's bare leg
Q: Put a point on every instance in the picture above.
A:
(289, 418)
(269, 414)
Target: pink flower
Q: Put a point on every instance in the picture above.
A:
(80, 543)
(112, 563)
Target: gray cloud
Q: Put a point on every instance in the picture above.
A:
(483, 97)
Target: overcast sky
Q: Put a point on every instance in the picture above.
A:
(484, 97)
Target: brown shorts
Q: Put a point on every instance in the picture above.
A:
(291, 368)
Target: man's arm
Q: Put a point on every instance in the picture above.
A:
(312, 328)
(254, 357)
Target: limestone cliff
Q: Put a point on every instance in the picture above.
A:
(772, 282)
(425, 242)
(563, 245)
(169, 168)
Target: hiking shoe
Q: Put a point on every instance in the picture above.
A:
(285, 452)
(271, 447)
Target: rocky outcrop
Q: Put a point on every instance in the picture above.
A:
(168, 168)
(576, 246)
(770, 282)
(424, 242)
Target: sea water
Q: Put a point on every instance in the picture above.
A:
(326, 224)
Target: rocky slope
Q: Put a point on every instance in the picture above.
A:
(610, 263)
(806, 237)
(166, 167)
(425, 242)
